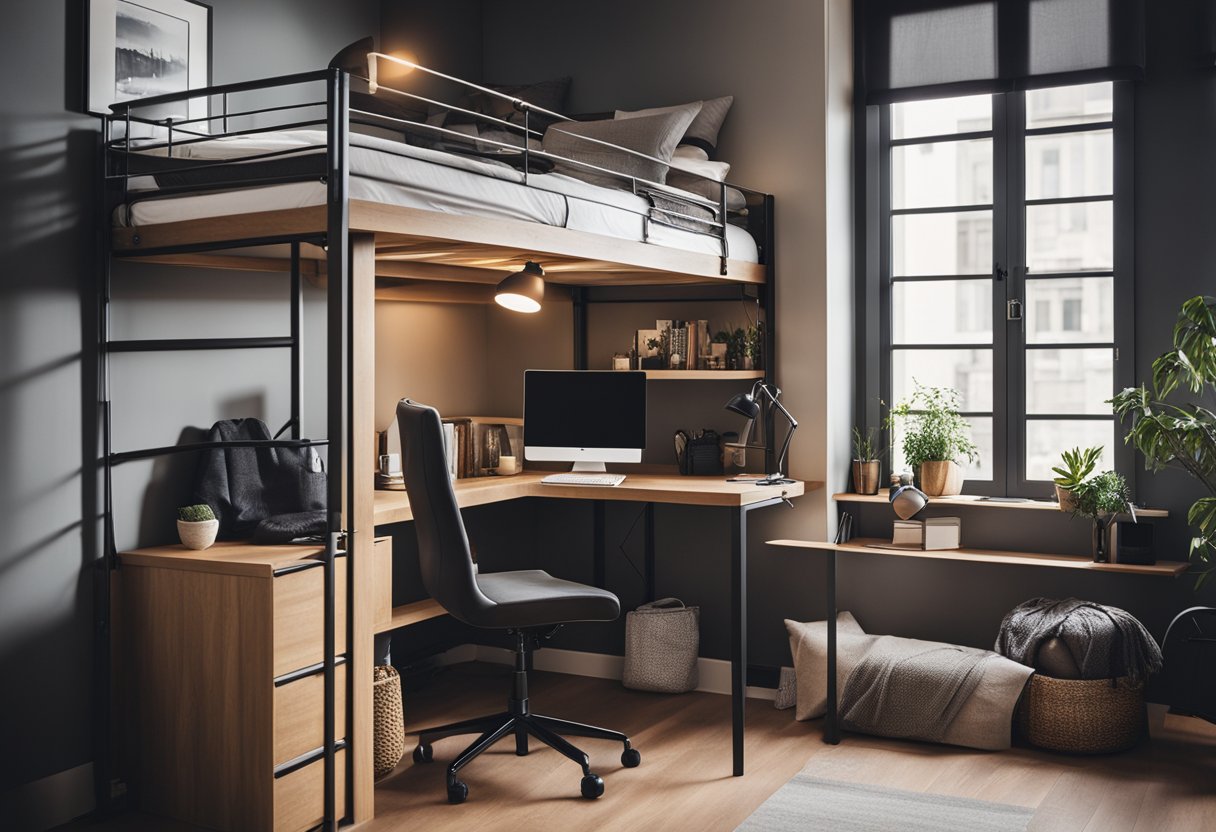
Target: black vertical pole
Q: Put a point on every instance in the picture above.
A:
(738, 631)
(579, 297)
(337, 235)
(649, 555)
(831, 724)
(297, 343)
(769, 302)
(599, 558)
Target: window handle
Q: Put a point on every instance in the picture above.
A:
(1000, 272)
(1013, 310)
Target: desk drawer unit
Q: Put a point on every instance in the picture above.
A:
(220, 679)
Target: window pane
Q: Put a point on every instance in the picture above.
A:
(967, 371)
(942, 312)
(1069, 381)
(941, 116)
(956, 242)
(1069, 237)
(1082, 104)
(941, 174)
(981, 435)
(1070, 310)
(1070, 164)
(1046, 439)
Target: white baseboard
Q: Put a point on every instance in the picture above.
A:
(49, 802)
(714, 674)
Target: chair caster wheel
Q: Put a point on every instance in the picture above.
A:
(458, 792)
(631, 758)
(592, 786)
(423, 754)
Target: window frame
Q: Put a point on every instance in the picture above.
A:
(1008, 276)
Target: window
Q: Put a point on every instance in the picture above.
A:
(989, 199)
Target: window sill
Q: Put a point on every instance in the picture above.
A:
(972, 501)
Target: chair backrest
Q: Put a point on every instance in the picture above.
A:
(443, 546)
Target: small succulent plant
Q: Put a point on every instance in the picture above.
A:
(195, 514)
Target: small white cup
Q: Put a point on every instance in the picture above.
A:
(390, 463)
(506, 466)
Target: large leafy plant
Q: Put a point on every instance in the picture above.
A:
(1182, 435)
(934, 430)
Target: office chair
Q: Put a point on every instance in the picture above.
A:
(530, 604)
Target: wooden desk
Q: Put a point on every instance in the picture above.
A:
(715, 492)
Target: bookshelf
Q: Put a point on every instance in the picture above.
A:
(703, 375)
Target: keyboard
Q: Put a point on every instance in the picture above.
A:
(584, 479)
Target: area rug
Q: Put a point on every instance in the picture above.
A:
(807, 804)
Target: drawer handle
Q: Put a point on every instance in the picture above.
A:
(307, 758)
(305, 672)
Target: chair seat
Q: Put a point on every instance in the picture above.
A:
(534, 598)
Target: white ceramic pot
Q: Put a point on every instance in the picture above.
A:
(198, 535)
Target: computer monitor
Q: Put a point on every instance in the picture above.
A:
(588, 417)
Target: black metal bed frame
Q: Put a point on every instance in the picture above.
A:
(115, 191)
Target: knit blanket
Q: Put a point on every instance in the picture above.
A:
(1105, 642)
(910, 689)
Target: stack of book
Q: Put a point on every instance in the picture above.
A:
(929, 534)
(473, 444)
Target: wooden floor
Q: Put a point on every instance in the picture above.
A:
(684, 782)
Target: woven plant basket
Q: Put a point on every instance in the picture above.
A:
(389, 742)
(1082, 716)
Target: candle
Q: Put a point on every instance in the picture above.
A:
(506, 466)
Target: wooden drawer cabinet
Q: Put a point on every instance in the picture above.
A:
(218, 676)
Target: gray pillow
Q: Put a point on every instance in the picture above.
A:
(703, 132)
(655, 135)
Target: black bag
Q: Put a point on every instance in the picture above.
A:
(699, 455)
(244, 486)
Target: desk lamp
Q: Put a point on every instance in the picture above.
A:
(749, 405)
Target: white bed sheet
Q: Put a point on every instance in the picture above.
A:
(391, 172)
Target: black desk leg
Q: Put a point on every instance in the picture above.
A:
(599, 559)
(649, 555)
(738, 629)
(831, 721)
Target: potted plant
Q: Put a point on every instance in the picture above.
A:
(935, 438)
(197, 526)
(1182, 435)
(1101, 499)
(754, 347)
(866, 455)
(1074, 468)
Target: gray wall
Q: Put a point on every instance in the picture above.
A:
(47, 169)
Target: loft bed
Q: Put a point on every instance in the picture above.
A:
(329, 187)
(441, 204)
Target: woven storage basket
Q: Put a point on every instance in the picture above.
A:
(1082, 716)
(389, 742)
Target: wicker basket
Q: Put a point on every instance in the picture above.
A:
(389, 742)
(1082, 716)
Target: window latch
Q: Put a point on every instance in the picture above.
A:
(1000, 272)
(1013, 310)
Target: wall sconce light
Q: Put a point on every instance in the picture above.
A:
(522, 291)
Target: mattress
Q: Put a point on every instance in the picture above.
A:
(391, 172)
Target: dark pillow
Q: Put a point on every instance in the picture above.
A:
(550, 95)
(703, 132)
(655, 135)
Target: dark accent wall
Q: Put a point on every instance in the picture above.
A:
(47, 170)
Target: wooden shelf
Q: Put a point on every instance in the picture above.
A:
(973, 501)
(415, 613)
(863, 546)
(702, 375)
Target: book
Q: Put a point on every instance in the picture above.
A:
(908, 533)
(942, 532)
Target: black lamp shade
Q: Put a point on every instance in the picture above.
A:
(522, 291)
(745, 405)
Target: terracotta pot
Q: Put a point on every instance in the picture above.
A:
(1067, 500)
(865, 476)
(198, 535)
(941, 479)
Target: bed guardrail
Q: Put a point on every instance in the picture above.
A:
(134, 140)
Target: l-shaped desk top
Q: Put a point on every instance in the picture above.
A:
(394, 506)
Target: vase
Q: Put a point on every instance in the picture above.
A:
(941, 478)
(1100, 541)
(865, 476)
(1067, 500)
(197, 535)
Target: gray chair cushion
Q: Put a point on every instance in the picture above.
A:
(534, 598)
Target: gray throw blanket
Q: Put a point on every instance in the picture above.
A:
(910, 689)
(1106, 642)
(680, 213)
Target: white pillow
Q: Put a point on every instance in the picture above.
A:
(688, 151)
(713, 170)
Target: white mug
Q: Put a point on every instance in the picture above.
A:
(390, 463)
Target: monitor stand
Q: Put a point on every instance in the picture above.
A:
(588, 468)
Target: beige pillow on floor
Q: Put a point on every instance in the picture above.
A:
(984, 721)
